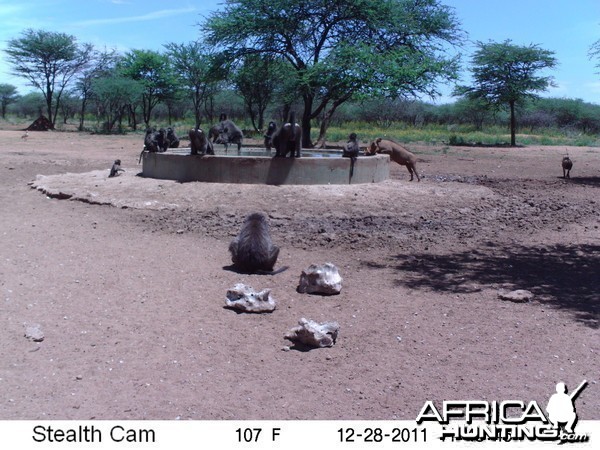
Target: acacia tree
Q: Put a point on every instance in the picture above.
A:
(256, 80)
(8, 95)
(343, 49)
(49, 61)
(101, 64)
(152, 70)
(505, 74)
(595, 52)
(197, 71)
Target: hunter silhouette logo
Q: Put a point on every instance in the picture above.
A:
(508, 420)
(561, 407)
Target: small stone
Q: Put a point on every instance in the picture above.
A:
(518, 296)
(34, 333)
(314, 334)
(244, 298)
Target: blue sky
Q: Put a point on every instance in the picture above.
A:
(566, 27)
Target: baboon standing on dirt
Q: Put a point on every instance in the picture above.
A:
(252, 250)
(567, 165)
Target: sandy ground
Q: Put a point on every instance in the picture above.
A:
(126, 278)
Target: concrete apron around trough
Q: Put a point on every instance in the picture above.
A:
(180, 166)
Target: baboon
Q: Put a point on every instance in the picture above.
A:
(162, 140)
(199, 143)
(397, 154)
(172, 138)
(567, 165)
(155, 141)
(115, 169)
(269, 135)
(351, 150)
(229, 133)
(288, 138)
(213, 133)
(252, 250)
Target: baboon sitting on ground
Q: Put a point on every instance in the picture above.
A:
(115, 169)
(252, 250)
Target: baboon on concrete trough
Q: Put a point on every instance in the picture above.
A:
(252, 250)
(351, 150)
(151, 143)
(199, 143)
(172, 138)
(269, 135)
(115, 169)
(288, 138)
(397, 154)
(567, 165)
(229, 133)
(163, 140)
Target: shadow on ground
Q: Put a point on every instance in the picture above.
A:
(565, 276)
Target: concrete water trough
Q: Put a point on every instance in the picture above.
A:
(257, 166)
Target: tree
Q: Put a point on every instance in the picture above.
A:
(256, 80)
(595, 52)
(195, 67)
(101, 64)
(114, 94)
(8, 95)
(49, 61)
(152, 70)
(505, 74)
(343, 49)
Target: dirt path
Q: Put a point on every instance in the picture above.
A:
(128, 287)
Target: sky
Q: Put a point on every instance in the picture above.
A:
(566, 27)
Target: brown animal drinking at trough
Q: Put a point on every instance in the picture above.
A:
(567, 165)
(397, 154)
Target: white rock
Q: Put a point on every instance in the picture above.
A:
(244, 298)
(322, 279)
(314, 334)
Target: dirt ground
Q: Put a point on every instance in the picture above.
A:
(126, 278)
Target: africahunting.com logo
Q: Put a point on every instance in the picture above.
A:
(510, 420)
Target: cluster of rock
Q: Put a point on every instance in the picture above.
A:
(322, 279)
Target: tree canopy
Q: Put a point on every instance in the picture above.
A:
(49, 61)
(344, 48)
(505, 74)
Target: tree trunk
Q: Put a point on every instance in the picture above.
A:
(513, 124)
(306, 142)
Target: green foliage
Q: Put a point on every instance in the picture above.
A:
(113, 95)
(505, 74)
(198, 71)
(343, 49)
(49, 61)
(152, 70)
(8, 95)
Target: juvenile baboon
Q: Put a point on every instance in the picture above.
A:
(288, 138)
(567, 165)
(172, 138)
(115, 169)
(351, 150)
(397, 154)
(252, 250)
(199, 143)
(213, 133)
(269, 135)
(229, 133)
